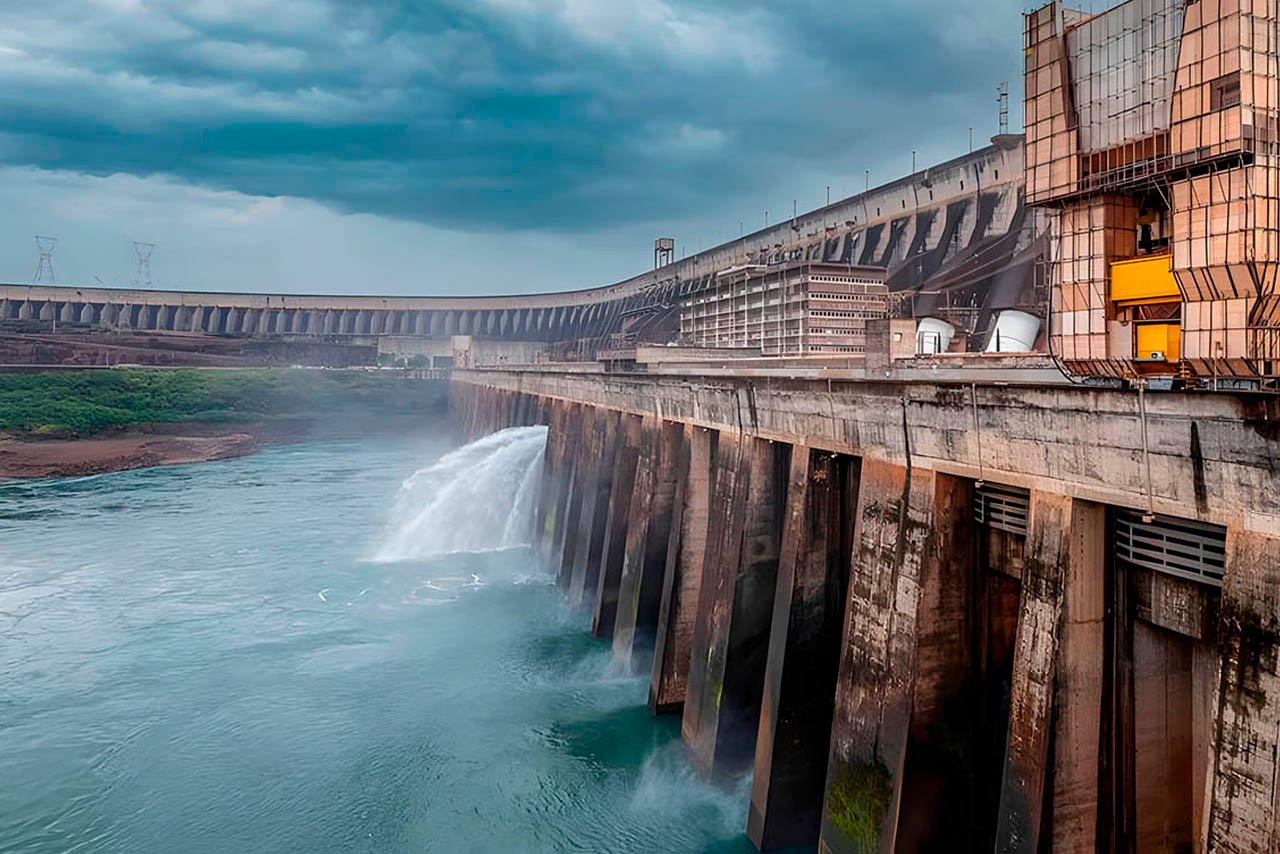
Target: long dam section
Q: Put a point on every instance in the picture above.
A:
(920, 614)
(956, 233)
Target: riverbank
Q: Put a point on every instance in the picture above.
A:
(66, 424)
(137, 449)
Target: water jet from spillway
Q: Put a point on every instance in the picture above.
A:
(479, 497)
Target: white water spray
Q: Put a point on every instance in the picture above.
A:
(480, 497)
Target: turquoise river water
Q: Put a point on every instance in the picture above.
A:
(316, 650)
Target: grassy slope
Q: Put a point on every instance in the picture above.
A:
(83, 403)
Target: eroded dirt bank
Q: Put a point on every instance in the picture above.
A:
(169, 445)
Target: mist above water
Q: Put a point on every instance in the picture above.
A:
(478, 498)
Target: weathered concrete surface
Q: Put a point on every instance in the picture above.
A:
(613, 551)
(722, 709)
(877, 677)
(938, 786)
(554, 481)
(725, 523)
(1245, 813)
(804, 652)
(1044, 577)
(597, 488)
(648, 542)
(1086, 443)
(1141, 706)
(682, 579)
(1078, 698)
(569, 534)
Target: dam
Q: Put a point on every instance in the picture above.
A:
(947, 513)
(925, 614)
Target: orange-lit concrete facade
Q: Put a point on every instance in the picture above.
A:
(1152, 133)
(787, 310)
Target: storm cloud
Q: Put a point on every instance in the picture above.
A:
(568, 116)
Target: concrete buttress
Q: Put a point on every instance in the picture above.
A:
(648, 540)
(872, 717)
(804, 652)
(1044, 577)
(596, 486)
(1245, 814)
(686, 552)
(625, 460)
(735, 608)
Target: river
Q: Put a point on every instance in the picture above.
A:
(328, 647)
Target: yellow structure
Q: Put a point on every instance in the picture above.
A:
(1144, 281)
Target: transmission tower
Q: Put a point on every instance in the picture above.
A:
(142, 278)
(44, 267)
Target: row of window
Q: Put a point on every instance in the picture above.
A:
(865, 315)
(845, 280)
(843, 296)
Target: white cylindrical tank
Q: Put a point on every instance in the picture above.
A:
(933, 336)
(1015, 332)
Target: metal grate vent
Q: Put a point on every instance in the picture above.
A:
(1004, 508)
(1187, 549)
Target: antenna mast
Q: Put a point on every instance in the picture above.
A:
(1002, 99)
(44, 267)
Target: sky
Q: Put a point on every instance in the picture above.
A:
(462, 146)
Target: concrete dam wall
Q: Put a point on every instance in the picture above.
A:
(930, 616)
(957, 234)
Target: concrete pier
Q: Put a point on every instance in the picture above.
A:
(626, 458)
(649, 535)
(1050, 637)
(682, 580)
(731, 633)
(804, 651)
(594, 490)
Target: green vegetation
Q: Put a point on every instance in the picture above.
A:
(81, 403)
(857, 803)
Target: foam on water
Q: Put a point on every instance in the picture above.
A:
(478, 498)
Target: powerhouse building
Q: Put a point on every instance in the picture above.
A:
(789, 309)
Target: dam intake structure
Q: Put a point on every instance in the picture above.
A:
(922, 615)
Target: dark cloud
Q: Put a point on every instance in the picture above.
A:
(565, 115)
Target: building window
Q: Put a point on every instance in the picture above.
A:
(1224, 92)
